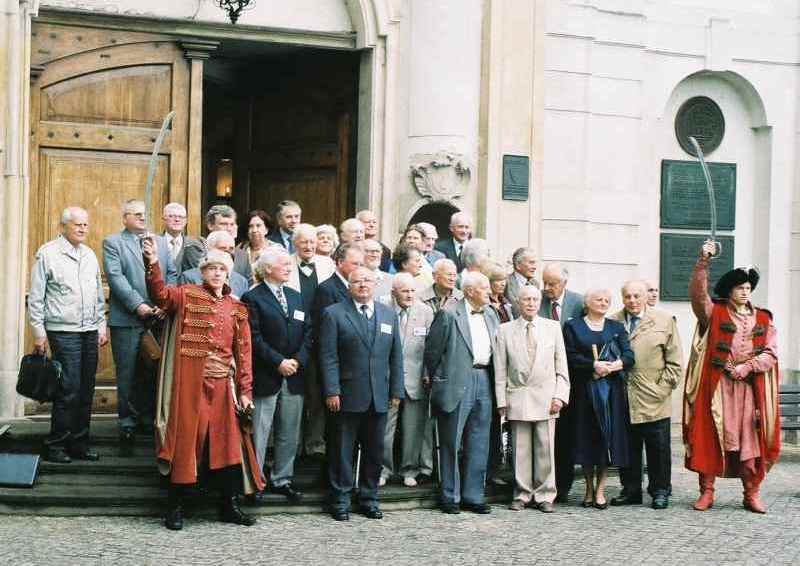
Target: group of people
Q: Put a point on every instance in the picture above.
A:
(328, 343)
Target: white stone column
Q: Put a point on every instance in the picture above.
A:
(15, 34)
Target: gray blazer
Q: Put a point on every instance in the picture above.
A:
(420, 318)
(512, 292)
(572, 307)
(448, 354)
(124, 267)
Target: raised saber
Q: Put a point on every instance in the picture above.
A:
(711, 197)
(151, 168)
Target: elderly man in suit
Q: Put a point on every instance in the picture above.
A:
(221, 217)
(288, 215)
(370, 222)
(372, 260)
(532, 385)
(281, 335)
(561, 304)
(361, 358)
(351, 231)
(415, 318)
(524, 274)
(308, 271)
(335, 289)
(220, 240)
(430, 235)
(181, 247)
(458, 355)
(130, 313)
(460, 233)
(656, 373)
(442, 293)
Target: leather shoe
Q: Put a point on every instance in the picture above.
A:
(626, 499)
(479, 508)
(57, 455)
(546, 507)
(84, 454)
(372, 513)
(232, 514)
(340, 515)
(517, 505)
(174, 518)
(293, 495)
(660, 501)
(450, 508)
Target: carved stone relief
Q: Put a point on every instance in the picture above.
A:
(440, 176)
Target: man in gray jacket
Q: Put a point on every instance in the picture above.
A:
(130, 314)
(66, 311)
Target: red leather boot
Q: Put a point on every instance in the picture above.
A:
(706, 499)
(751, 500)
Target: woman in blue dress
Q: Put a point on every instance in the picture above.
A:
(598, 352)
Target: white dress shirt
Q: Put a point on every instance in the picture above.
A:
(481, 342)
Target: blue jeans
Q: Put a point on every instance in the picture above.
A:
(72, 407)
(132, 404)
(468, 425)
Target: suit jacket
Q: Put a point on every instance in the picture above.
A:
(448, 354)
(512, 292)
(447, 247)
(323, 265)
(275, 236)
(238, 284)
(124, 267)
(658, 365)
(572, 307)
(277, 337)
(241, 264)
(420, 318)
(190, 246)
(363, 368)
(428, 296)
(526, 389)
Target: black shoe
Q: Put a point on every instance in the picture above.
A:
(84, 454)
(626, 499)
(127, 441)
(57, 455)
(232, 514)
(660, 501)
(424, 479)
(480, 508)
(450, 508)
(174, 518)
(293, 495)
(602, 506)
(372, 513)
(340, 515)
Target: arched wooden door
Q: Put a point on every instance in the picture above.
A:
(96, 109)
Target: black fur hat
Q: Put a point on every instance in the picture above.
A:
(734, 278)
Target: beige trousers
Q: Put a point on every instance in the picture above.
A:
(534, 460)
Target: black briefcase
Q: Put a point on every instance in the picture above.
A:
(39, 377)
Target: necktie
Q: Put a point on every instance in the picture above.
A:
(365, 311)
(403, 320)
(289, 246)
(554, 311)
(173, 248)
(633, 324)
(282, 300)
(530, 342)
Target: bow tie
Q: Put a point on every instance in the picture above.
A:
(306, 264)
(476, 312)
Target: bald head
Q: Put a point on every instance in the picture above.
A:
(634, 296)
(461, 226)
(404, 290)
(554, 280)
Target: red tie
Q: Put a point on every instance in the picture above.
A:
(554, 311)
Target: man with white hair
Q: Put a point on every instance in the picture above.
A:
(458, 356)
(372, 260)
(66, 311)
(524, 262)
(180, 245)
(220, 240)
(460, 233)
(442, 293)
(370, 221)
(415, 319)
(430, 235)
(288, 215)
(351, 231)
(474, 254)
(281, 333)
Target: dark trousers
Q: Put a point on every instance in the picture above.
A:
(655, 436)
(347, 429)
(72, 407)
(565, 461)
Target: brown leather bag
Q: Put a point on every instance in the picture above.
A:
(149, 348)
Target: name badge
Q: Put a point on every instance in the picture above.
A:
(299, 315)
(386, 328)
(420, 331)
(306, 271)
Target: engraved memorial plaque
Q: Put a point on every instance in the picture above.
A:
(516, 172)
(679, 253)
(701, 118)
(684, 196)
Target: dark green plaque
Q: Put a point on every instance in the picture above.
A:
(516, 172)
(684, 196)
(679, 253)
(701, 118)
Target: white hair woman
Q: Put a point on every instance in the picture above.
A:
(597, 353)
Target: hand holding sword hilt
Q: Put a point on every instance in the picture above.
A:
(711, 249)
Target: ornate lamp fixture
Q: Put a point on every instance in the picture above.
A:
(235, 7)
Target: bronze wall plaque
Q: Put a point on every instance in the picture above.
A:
(701, 118)
(679, 253)
(684, 196)
(516, 172)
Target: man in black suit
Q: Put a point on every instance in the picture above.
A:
(281, 337)
(361, 358)
(348, 257)
(460, 232)
(287, 215)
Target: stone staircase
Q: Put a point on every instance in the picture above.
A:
(116, 486)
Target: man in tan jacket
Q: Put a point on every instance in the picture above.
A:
(657, 371)
(531, 385)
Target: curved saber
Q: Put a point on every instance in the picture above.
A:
(712, 201)
(151, 169)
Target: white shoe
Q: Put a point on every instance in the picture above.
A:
(382, 481)
(410, 482)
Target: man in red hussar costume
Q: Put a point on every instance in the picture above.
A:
(731, 424)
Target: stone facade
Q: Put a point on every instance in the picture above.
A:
(587, 89)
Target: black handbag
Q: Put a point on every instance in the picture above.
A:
(40, 378)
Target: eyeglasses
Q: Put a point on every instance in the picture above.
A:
(136, 214)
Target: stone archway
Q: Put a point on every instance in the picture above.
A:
(437, 213)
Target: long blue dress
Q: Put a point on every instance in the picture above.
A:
(588, 443)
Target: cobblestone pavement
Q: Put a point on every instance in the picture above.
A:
(727, 534)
